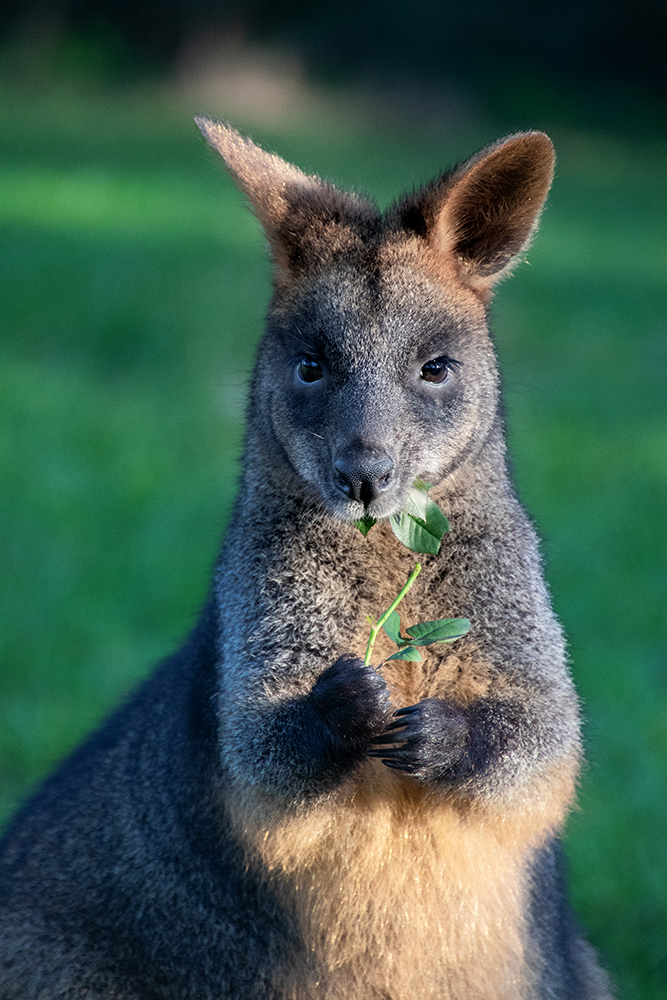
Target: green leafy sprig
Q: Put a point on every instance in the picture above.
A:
(420, 528)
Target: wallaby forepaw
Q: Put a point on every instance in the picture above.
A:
(353, 700)
(424, 740)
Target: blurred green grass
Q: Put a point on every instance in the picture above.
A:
(132, 290)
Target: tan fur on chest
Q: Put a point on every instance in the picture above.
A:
(444, 672)
(399, 894)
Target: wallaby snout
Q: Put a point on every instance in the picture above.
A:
(362, 473)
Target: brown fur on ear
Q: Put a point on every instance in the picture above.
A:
(306, 220)
(483, 213)
(263, 177)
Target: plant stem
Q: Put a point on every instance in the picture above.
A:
(375, 629)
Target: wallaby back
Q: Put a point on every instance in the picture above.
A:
(258, 822)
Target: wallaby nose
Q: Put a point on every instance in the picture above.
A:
(362, 474)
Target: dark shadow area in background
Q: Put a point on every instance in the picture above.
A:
(601, 62)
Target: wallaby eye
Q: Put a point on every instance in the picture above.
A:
(309, 370)
(436, 370)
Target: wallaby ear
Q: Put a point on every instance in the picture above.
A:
(302, 216)
(484, 213)
(263, 177)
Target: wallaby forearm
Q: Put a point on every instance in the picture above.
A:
(303, 747)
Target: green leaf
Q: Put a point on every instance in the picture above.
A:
(417, 500)
(420, 484)
(415, 534)
(421, 534)
(436, 521)
(365, 524)
(442, 630)
(407, 653)
(392, 627)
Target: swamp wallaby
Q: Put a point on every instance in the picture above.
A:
(257, 823)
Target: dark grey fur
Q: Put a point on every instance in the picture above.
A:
(127, 875)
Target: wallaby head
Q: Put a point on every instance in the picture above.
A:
(377, 367)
